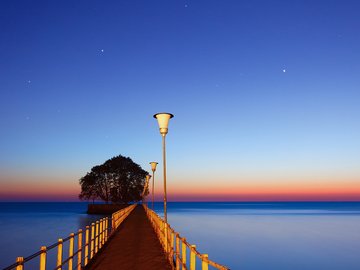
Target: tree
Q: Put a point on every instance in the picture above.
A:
(118, 180)
(88, 191)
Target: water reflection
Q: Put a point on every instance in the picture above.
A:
(239, 235)
(86, 220)
(25, 227)
(273, 238)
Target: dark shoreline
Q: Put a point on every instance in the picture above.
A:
(104, 209)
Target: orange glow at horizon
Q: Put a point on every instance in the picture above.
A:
(321, 190)
(36, 188)
(271, 188)
(41, 188)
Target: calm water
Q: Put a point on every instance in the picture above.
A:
(239, 235)
(25, 227)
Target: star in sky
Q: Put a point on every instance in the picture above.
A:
(284, 70)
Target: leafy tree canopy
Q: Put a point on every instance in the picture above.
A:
(118, 180)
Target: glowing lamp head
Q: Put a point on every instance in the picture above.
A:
(163, 121)
(153, 165)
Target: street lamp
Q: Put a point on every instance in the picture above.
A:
(163, 121)
(153, 168)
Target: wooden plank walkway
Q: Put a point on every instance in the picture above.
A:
(134, 246)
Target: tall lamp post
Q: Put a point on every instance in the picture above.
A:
(153, 168)
(163, 121)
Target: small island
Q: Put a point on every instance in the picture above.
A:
(115, 183)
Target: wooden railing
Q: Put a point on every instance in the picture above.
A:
(177, 248)
(96, 236)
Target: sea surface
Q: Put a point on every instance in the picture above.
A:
(271, 235)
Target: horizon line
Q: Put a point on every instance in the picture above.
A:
(260, 201)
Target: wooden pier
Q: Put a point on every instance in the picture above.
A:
(134, 246)
(133, 238)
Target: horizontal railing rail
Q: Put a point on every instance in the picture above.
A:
(96, 235)
(177, 248)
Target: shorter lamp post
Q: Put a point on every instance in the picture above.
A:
(153, 168)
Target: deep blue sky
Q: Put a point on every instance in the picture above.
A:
(262, 91)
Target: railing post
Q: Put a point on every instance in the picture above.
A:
(97, 237)
(71, 251)
(183, 253)
(79, 249)
(103, 231)
(92, 240)
(20, 263)
(177, 252)
(100, 233)
(59, 254)
(192, 257)
(172, 238)
(205, 264)
(172, 245)
(86, 255)
(166, 238)
(43, 258)
(106, 228)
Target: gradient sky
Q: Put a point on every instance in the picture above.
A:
(266, 96)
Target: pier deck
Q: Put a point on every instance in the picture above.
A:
(134, 246)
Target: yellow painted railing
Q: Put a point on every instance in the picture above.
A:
(177, 248)
(95, 237)
(119, 216)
